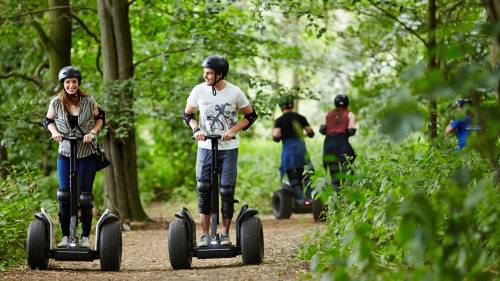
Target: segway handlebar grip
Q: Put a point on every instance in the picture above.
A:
(70, 138)
(213, 137)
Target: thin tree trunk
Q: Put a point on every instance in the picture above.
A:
(432, 64)
(121, 185)
(3, 162)
(493, 14)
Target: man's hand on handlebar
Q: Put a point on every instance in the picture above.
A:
(229, 135)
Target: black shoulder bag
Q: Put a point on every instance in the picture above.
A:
(100, 156)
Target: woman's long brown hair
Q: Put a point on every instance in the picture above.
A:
(67, 100)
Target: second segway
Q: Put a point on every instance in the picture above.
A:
(284, 204)
(182, 231)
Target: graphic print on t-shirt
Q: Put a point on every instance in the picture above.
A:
(220, 118)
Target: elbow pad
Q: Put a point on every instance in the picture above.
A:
(46, 122)
(188, 117)
(101, 115)
(322, 129)
(276, 139)
(251, 117)
(351, 132)
(311, 134)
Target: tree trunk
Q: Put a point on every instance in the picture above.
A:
(121, 186)
(3, 162)
(432, 64)
(59, 37)
(493, 14)
(57, 45)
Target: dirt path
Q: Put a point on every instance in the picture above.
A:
(145, 257)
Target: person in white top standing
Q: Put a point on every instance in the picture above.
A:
(218, 103)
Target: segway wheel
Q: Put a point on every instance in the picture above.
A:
(252, 241)
(282, 204)
(318, 210)
(179, 247)
(110, 246)
(37, 245)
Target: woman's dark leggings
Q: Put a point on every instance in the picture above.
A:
(87, 168)
(336, 169)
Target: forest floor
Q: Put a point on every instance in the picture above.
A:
(145, 255)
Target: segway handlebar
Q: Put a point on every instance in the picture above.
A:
(214, 137)
(70, 138)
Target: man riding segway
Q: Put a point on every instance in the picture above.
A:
(218, 103)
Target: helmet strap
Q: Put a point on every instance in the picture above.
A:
(214, 92)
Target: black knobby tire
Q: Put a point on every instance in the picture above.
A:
(110, 246)
(252, 241)
(179, 247)
(318, 210)
(282, 204)
(37, 245)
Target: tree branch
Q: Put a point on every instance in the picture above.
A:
(82, 24)
(40, 11)
(162, 53)
(41, 33)
(406, 27)
(97, 59)
(25, 77)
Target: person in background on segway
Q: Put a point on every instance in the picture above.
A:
(463, 124)
(289, 128)
(218, 102)
(340, 124)
(71, 109)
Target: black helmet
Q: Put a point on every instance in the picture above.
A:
(69, 72)
(341, 100)
(217, 63)
(462, 102)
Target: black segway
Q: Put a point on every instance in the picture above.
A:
(182, 231)
(40, 244)
(284, 205)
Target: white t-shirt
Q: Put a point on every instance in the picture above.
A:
(218, 113)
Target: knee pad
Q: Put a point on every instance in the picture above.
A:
(294, 177)
(227, 198)
(203, 197)
(63, 197)
(86, 200)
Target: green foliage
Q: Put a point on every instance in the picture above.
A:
(411, 213)
(21, 195)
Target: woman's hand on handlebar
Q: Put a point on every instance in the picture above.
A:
(88, 138)
(199, 136)
(58, 137)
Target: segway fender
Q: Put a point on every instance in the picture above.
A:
(106, 217)
(185, 215)
(45, 217)
(286, 186)
(243, 215)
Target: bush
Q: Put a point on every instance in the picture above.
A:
(20, 198)
(411, 213)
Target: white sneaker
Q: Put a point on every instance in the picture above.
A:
(84, 242)
(64, 242)
(224, 240)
